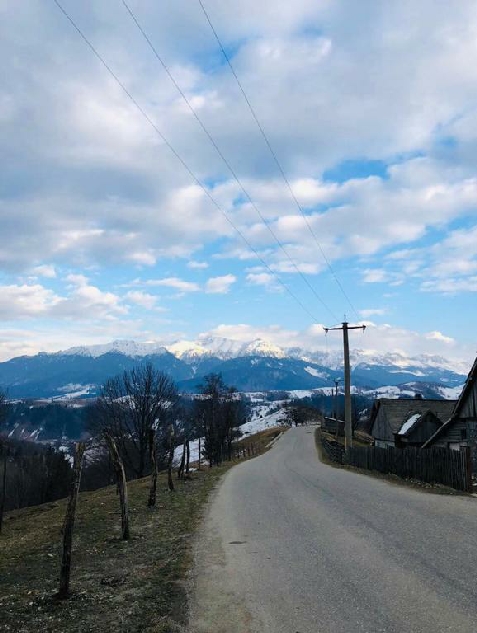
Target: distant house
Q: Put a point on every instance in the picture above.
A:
(407, 422)
(329, 425)
(460, 429)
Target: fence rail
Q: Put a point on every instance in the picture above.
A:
(432, 465)
(334, 450)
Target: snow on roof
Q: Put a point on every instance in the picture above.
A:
(409, 423)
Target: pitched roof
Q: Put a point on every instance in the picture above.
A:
(467, 387)
(471, 378)
(399, 411)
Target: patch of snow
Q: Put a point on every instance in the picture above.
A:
(73, 390)
(314, 372)
(409, 423)
(187, 348)
(451, 393)
(300, 393)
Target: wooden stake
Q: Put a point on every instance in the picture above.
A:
(122, 485)
(68, 525)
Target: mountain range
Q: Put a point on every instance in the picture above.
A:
(250, 366)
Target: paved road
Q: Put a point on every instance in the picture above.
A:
(291, 545)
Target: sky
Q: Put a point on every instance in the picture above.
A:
(120, 218)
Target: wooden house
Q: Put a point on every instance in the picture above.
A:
(407, 422)
(330, 424)
(460, 430)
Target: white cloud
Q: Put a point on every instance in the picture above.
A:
(77, 279)
(26, 301)
(147, 259)
(220, 285)
(262, 279)
(438, 336)
(142, 299)
(372, 312)
(176, 283)
(197, 265)
(45, 270)
(375, 341)
(83, 302)
(91, 184)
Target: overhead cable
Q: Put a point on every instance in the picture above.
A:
(220, 153)
(181, 160)
(275, 158)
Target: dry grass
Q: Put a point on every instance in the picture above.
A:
(131, 586)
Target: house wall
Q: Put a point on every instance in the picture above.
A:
(469, 406)
(456, 434)
(381, 428)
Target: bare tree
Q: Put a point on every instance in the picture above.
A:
(170, 458)
(220, 411)
(151, 502)
(131, 407)
(68, 525)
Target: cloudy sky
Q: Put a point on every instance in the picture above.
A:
(370, 108)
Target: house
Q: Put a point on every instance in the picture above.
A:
(407, 422)
(460, 429)
(329, 425)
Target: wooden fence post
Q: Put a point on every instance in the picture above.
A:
(68, 525)
(469, 468)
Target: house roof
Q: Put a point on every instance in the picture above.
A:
(467, 387)
(399, 411)
(471, 378)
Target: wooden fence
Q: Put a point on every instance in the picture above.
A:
(334, 450)
(432, 465)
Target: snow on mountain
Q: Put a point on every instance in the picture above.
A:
(224, 349)
(450, 393)
(128, 348)
(187, 349)
(262, 348)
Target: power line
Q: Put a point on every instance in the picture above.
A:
(220, 153)
(179, 158)
(275, 158)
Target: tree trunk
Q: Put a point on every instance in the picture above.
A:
(68, 525)
(151, 502)
(122, 485)
(187, 457)
(199, 454)
(171, 457)
(180, 472)
(4, 488)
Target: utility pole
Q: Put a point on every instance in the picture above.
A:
(348, 428)
(336, 405)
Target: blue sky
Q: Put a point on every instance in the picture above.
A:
(370, 108)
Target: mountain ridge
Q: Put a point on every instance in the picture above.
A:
(255, 365)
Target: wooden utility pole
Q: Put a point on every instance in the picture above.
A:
(348, 427)
(335, 399)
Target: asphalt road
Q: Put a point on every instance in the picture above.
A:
(291, 545)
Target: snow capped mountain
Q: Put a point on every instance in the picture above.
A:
(128, 348)
(187, 350)
(224, 348)
(249, 365)
(259, 347)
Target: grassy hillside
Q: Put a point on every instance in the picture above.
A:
(117, 586)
